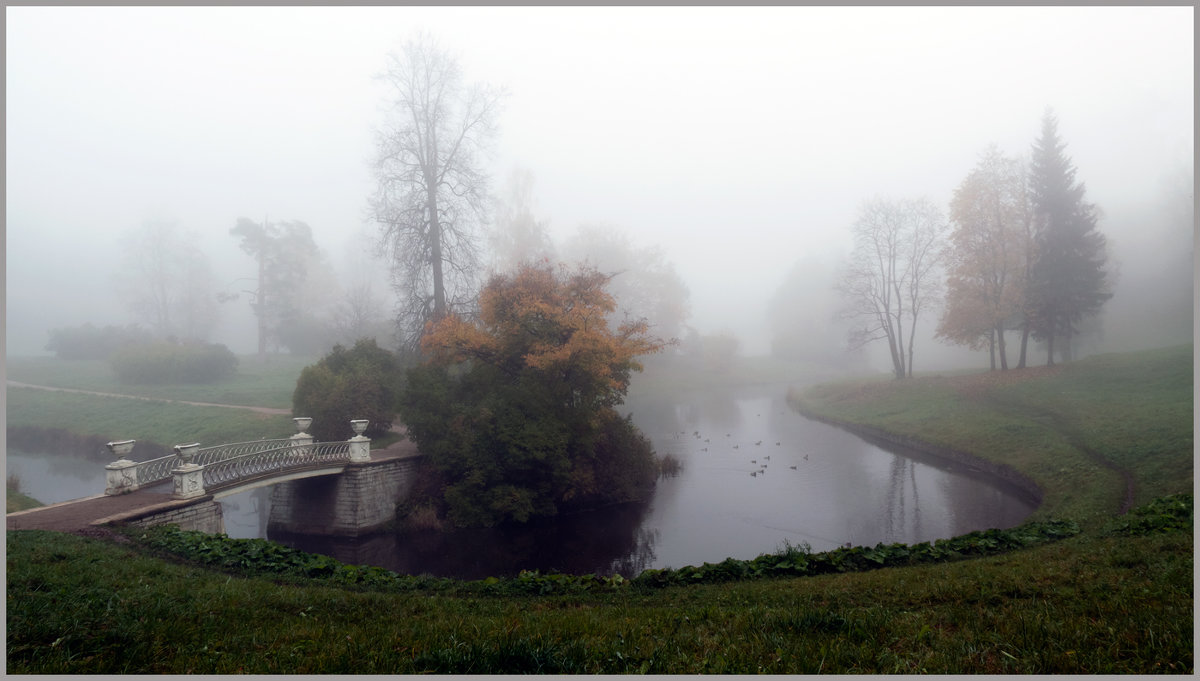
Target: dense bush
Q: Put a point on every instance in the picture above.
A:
(360, 383)
(516, 409)
(165, 362)
(89, 342)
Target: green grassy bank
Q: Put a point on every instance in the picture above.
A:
(1087, 433)
(1116, 597)
(39, 419)
(256, 384)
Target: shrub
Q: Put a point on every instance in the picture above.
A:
(516, 408)
(89, 342)
(359, 383)
(165, 362)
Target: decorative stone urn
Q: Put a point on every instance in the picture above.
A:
(302, 423)
(360, 446)
(186, 452)
(121, 448)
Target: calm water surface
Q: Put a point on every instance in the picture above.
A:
(755, 475)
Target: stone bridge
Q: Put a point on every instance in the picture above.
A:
(353, 490)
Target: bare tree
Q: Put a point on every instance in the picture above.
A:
(167, 281)
(359, 314)
(891, 277)
(517, 236)
(644, 284)
(431, 194)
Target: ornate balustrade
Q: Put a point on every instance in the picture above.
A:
(195, 469)
(278, 460)
(159, 470)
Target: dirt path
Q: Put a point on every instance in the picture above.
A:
(1071, 435)
(260, 410)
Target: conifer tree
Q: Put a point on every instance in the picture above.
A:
(1068, 278)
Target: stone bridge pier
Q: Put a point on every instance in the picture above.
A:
(359, 501)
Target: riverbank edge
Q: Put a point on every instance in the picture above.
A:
(44, 438)
(886, 439)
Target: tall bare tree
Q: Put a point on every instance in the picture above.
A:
(891, 277)
(167, 281)
(431, 193)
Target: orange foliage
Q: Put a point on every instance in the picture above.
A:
(553, 323)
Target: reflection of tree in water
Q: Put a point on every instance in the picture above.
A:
(247, 510)
(604, 542)
(642, 556)
(897, 508)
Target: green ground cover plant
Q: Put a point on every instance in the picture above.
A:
(1086, 604)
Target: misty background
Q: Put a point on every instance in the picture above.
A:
(739, 141)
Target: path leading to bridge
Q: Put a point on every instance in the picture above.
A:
(79, 516)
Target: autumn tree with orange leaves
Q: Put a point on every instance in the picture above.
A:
(517, 408)
(989, 257)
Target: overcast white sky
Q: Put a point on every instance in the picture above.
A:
(739, 139)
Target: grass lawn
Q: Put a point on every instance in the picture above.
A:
(256, 384)
(115, 418)
(1077, 430)
(1114, 598)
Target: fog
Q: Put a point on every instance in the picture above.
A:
(740, 141)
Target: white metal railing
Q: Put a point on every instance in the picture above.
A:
(159, 470)
(195, 469)
(274, 461)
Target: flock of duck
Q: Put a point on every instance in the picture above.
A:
(762, 467)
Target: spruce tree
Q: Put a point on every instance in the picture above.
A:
(1068, 281)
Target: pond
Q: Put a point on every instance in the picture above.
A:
(755, 475)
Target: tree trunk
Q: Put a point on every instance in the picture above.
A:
(1024, 344)
(1050, 348)
(897, 358)
(435, 245)
(992, 348)
(1003, 350)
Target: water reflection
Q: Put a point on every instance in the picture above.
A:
(605, 542)
(755, 475)
(52, 478)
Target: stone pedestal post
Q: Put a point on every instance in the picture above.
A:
(189, 481)
(120, 475)
(189, 477)
(302, 437)
(360, 446)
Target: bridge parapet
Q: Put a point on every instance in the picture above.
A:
(272, 461)
(197, 470)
